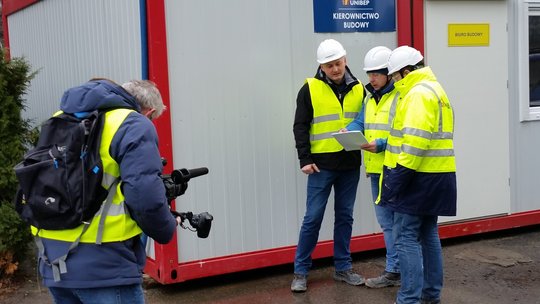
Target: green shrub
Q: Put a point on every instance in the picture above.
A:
(15, 76)
(14, 240)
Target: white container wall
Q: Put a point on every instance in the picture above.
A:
(69, 42)
(235, 68)
(524, 160)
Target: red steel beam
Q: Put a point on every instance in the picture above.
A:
(285, 255)
(164, 269)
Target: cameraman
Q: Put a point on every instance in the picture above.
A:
(110, 271)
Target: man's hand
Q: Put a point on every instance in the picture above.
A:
(371, 147)
(310, 169)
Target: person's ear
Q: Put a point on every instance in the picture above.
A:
(149, 113)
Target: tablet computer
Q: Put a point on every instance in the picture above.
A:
(351, 140)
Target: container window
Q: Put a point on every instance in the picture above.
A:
(534, 59)
(528, 59)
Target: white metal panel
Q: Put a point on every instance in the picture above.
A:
(69, 42)
(235, 68)
(525, 170)
(475, 79)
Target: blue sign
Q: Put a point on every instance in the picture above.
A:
(336, 16)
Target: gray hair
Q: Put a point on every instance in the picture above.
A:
(147, 95)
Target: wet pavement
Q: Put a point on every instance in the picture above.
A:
(272, 285)
(494, 268)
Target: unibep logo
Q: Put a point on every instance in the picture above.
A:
(355, 2)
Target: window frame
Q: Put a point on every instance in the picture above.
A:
(528, 8)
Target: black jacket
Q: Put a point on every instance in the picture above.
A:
(303, 118)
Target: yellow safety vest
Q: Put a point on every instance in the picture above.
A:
(426, 144)
(118, 225)
(329, 116)
(377, 120)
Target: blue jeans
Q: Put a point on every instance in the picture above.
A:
(385, 217)
(420, 257)
(319, 186)
(116, 294)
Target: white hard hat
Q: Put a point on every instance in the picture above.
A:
(402, 57)
(330, 50)
(377, 58)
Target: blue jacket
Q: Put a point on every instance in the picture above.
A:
(135, 148)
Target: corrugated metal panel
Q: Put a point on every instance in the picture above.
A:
(69, 42)
(235, 69)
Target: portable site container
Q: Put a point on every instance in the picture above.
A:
(229, 72)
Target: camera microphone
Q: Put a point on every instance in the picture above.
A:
(196, 172)
(184, 175)
(175, 185)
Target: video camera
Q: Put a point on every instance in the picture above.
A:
(175, 185)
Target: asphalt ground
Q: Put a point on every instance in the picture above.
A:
(492, 268)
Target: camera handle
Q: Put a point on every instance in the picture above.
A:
(184, 216)
(200, 223)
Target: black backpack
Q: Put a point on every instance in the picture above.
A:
(60, 179)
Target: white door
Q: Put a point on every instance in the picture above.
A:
(475, 79)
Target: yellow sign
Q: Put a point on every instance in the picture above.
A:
(468, 34)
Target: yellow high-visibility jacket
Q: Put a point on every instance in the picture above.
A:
(329, 116)
(421, 137)
(419, 173)
(377, 122)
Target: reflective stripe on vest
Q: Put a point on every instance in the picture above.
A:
(329, 116)
(377, 120)
(118, 225)
(424, 151)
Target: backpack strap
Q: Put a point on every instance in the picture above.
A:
(59, 265)
(106, 207)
